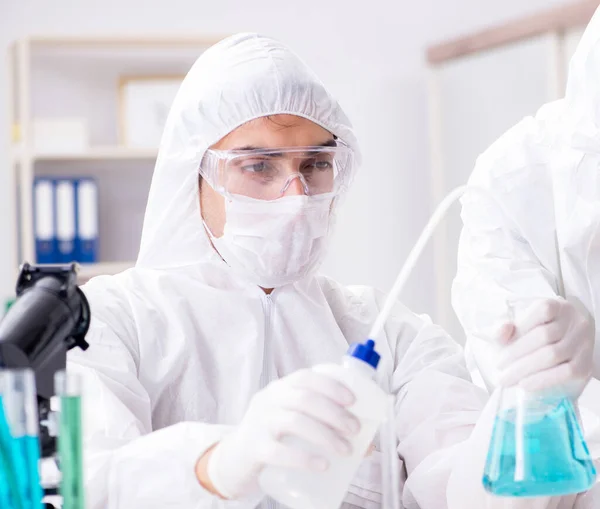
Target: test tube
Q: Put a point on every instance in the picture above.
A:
(6, 467)
(70, 447)
(20, 446)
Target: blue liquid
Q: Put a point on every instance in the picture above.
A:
(19, 476)
(7, 475)
(555, 459)
(27, 449)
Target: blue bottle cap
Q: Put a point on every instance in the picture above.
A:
(365, 352)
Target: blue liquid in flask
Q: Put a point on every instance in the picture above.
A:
(547, 457)
(20, 486)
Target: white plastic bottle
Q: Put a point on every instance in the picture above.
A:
(299, 489)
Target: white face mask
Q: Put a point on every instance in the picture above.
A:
(273, 243)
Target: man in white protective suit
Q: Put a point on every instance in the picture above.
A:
(535, 248)
(201, 356)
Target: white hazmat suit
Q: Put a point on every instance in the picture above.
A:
(179, 344)
(544, 242)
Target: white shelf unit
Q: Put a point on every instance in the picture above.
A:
(58, 77)
(99, 154)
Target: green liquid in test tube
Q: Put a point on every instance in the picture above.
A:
(70, 448)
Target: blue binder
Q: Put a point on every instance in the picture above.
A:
(65, 220)
(86, 200)
(44, 222)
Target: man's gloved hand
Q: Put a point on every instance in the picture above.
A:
(550, 348)
(306, 405)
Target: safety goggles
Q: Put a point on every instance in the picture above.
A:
(266, 174)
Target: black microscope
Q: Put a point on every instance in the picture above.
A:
(49, 317)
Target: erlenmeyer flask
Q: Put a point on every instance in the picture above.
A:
(537, 446)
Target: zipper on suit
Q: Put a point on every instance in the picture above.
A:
(266, 375)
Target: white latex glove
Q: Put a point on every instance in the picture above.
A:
(306, 405)
(550, 348)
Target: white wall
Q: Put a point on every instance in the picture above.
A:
(371, 54)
